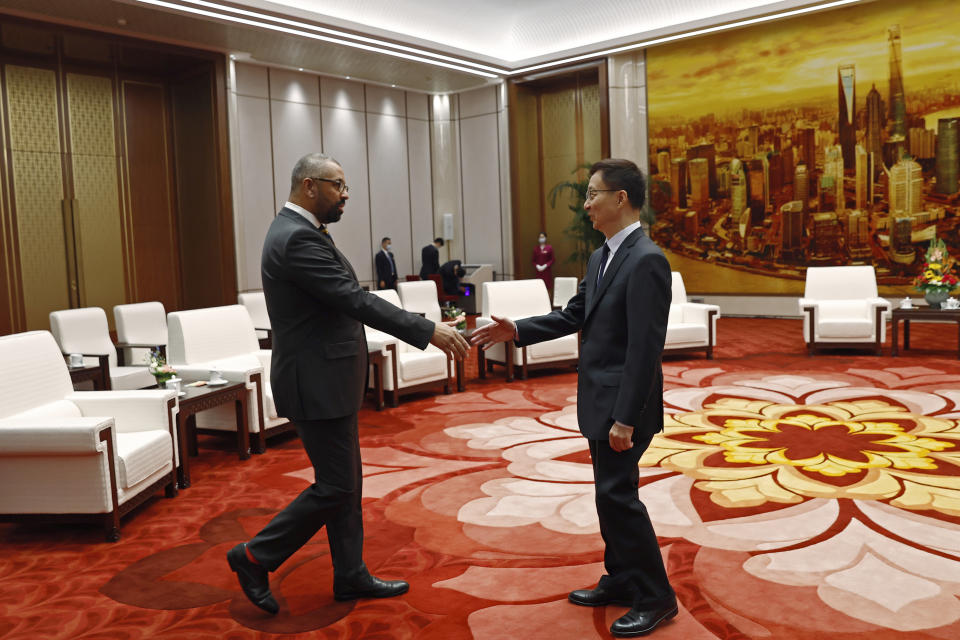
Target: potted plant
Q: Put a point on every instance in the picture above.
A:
(451, 313)
(935, 278)
(158, 367)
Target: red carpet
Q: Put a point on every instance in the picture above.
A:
(795, 497)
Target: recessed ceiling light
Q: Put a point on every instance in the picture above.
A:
(299, 68)
(348, 77)
(233, 57)
(393, 85)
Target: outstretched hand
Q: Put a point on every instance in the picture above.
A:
(449, 340)
(502, 330)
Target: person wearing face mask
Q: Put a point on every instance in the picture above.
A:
(386, 266)
(543, 260)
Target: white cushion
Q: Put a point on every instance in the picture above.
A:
(843, 309)
(203, 335)
(515, 299)
(417, 366)
(141, 323)
(565, 347)
(564, 288)
(129, 378)
(83, 331)
(33, 372)
(55, 409)
(838, 283)
(686, 332)
(839, 328)
(676, 314)
(142, 453)
(420, 297)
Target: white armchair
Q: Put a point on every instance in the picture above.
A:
(842, 309)
(223, 338)
(563, 289)
(407, 369)
(516, 299)
(691, 326)
(256, 305)
(420, 296)
(140, 328)
(88, 455)
(86, 331)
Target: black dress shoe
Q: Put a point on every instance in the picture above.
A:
(254, 579)
(640, 621)
(600, 597)
(369, 587)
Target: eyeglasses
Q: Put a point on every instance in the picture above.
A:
(341, 185)
(592, 193)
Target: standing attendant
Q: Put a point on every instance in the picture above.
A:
(621, 307)
(543, 261)
(318, 373)
(430, 259)
(386, 266)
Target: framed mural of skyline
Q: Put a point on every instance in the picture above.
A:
(827, 139)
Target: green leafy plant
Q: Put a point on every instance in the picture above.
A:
(580, 228)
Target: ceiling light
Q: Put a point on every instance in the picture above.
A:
(378, 46)
(299, 68)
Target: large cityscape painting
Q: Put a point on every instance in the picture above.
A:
(827, 139)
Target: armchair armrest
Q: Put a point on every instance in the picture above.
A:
(58, 436)
(131, 410)
(201, 371)
(121, 358)
(804, 303)
(879, 302)
(699, 313)
(265, 343)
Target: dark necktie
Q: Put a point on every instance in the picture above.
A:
(603, 262)
(323, 230)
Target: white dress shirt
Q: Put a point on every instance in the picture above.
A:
(617, 240)
(306, 214)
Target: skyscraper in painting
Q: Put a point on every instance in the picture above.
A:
(897, 103)
(875, 124)
(948, 140)
(906, 188)
(846, 125)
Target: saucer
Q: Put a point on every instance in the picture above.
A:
(181, 394)
(218, 383)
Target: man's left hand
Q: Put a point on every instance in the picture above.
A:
(621, 437)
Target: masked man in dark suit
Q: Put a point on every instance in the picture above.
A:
(386, 266)
(430, 259)
(621, 308)
(318, 373)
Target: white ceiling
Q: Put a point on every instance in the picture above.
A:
(515, 33)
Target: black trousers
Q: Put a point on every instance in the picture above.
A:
(334, 500)
(631, 555)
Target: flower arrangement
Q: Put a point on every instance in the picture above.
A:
(935, 273)
(451, 313)
(158, 367)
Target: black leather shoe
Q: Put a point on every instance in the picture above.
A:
(254, 579)
(369, 587)
(600, 597)
(641, 621)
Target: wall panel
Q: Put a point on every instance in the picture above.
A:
(481, 190)
(296, 131)
(346, 140)
(255, 203)
(389, 188)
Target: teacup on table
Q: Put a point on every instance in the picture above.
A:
(76, 360)
(216, 377)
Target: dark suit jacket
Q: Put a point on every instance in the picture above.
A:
(386, 270)
(317, 312)
(624, 324)
(448, 275)
(429, 260)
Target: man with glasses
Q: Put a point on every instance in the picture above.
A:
(621, 308)
(318, 374)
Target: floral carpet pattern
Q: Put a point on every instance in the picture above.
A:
(794, 497)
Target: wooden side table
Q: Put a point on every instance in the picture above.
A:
(197, 399)
(922, 314)
(98, 374)
(375, 358)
